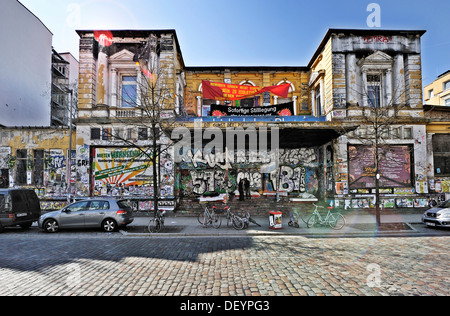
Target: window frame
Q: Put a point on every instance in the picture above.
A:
(446, 85)
(374, 84)
(123, 84)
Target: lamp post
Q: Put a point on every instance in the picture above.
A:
(69, 163)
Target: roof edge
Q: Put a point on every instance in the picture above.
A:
(360, 32)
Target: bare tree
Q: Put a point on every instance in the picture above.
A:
(378, 115)
(152, 101)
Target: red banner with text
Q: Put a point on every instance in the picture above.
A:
(228, 92)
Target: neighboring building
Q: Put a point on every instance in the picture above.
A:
(34, 106)
(25, 76)
(437, 110)
(61, 95)
(438, 92)
(36, 157)
(73, 82)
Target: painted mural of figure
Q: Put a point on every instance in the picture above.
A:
(241, 190)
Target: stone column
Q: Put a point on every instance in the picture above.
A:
(351, 86)
(364, 90)
(388, 88)
(114, 87)
(199, 106)
(399, 80)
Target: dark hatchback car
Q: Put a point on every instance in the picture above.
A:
(108, 214)
(438, 216)
(18, 207)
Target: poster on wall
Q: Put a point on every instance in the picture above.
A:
(394, 166)
(122, 167)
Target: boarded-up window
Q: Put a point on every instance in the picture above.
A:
(21, 169)
(38, 172)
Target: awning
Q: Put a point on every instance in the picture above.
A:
(292, 134)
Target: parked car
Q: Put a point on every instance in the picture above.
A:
(438, 216)
(108, 214)
(18, 207)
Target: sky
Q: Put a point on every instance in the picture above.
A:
(250, 32)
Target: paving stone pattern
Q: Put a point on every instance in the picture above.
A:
(99, 264)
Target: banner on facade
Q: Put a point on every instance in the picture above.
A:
(285, 109)
(229, 92)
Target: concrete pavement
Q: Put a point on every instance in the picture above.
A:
(357, 224)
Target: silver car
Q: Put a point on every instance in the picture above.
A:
(109, 214)
(438, 216)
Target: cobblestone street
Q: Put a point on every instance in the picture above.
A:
(110, 264)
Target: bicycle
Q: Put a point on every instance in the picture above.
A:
(247, 219)
(156, 224)
(232, 219)
(335, 221)
(208, 217)
(293, 220)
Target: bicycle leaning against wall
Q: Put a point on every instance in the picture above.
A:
(209, 217)
(334, 219)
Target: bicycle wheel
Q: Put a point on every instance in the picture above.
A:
(216, 220)
(305, 217)
(337, 221)
(238, 223)
(154, 226)
(202, 219)
(311, 221)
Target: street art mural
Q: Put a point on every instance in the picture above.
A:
(128, 171)
(295, 171)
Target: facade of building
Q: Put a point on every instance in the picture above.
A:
(317, 130)
(36, 158)
(25, 79)
(373, 79)
(111, 124)
(437, 111)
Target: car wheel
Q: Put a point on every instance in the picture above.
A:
(51, 226)
(109, 225)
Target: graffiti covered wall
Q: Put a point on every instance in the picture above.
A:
(203, 173)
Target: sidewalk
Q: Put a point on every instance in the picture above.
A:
(359, 224)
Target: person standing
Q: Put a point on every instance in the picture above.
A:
(241, 190)
(247, 189)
